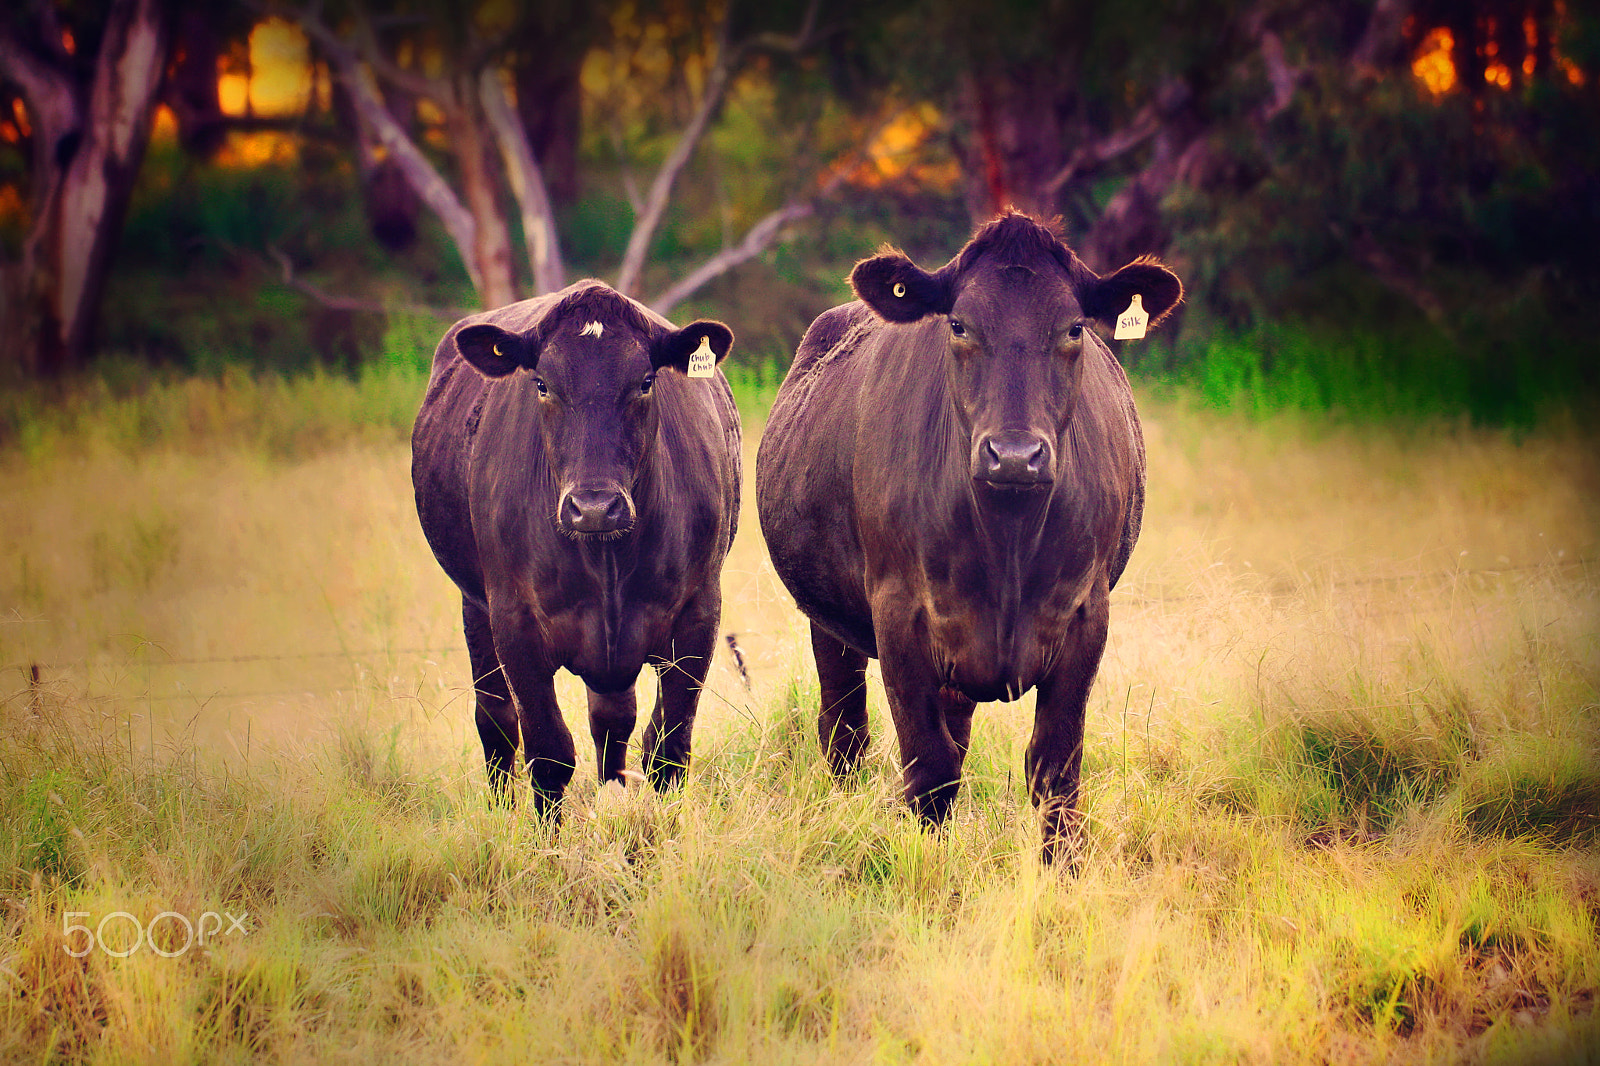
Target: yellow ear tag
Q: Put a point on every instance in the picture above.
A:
(702, 361)
(899, 289)
(1131, 323)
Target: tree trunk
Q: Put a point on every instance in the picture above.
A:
(492, 249)
(550, 99)
(526, 178)
(1017, 141)
(192, 89)
(89, 142)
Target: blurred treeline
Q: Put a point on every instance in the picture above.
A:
(1385, 207)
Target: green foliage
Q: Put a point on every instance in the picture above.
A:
(1513, 372)
(131, 408)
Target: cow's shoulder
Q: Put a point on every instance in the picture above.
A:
(835, 335)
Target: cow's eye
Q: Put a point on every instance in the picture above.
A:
(1075, 330)
(538, 383)
(645, 385)
(957, 329)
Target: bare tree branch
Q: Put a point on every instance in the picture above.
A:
(644, 227)
(527, 185)
(630, 184)
(1382, 36)
(340, 303)
(368, 51)
(1145, 124)
(429, 184)
(759, 237)
(727, 62)
(1280, 74)
(756, 240)
(56, 114)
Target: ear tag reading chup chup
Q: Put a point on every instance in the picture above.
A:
(702, 361)
(1131, 323)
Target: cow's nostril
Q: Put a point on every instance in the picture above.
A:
(596, 511)
(1013, 459)
(1035, 456)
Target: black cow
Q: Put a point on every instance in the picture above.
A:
(951, 480)
(582, 492)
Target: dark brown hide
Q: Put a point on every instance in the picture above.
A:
(582, 492)
(951, 480)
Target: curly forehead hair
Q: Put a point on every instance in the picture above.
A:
(598, 303)
(1014, 238)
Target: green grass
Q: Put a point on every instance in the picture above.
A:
(1515, 373)
(1341, 775)
(765, 913)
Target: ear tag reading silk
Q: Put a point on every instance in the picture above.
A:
(702, 361)
(1131, 323)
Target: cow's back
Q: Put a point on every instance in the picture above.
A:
(805, 473)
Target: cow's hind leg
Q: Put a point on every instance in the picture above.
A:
(495, 714)
(1055, 752)
(681, 673)
(842, 716)
(611, 721)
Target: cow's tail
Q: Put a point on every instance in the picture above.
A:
(738, 659)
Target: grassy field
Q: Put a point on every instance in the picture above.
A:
(1342, 780)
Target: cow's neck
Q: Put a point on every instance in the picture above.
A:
(1010, 526)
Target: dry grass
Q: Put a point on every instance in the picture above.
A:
(1342, 785)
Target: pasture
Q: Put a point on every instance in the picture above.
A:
(1342, 780)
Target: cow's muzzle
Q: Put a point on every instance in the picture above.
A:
(590, 512)
(1013, 459)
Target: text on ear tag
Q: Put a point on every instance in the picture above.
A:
(702, 361)
(1131, 323)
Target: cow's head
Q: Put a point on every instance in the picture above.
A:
(1017, 305)
(590, 366)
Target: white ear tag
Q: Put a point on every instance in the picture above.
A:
(1131, 323)
(702, 361)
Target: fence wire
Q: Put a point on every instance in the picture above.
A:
(34, 671)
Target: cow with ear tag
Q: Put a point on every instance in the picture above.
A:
(576, 464)
(951, 480)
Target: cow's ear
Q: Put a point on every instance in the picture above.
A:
(685, 349)
(899, 290)
(1158, 289)
(495, 352)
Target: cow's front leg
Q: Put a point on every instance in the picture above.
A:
(1055, 752)
(611, 720)
(930, 757)
(681, 673)
(546, 742)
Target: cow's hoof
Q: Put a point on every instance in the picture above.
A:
(1062, 830)
(664, 774)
